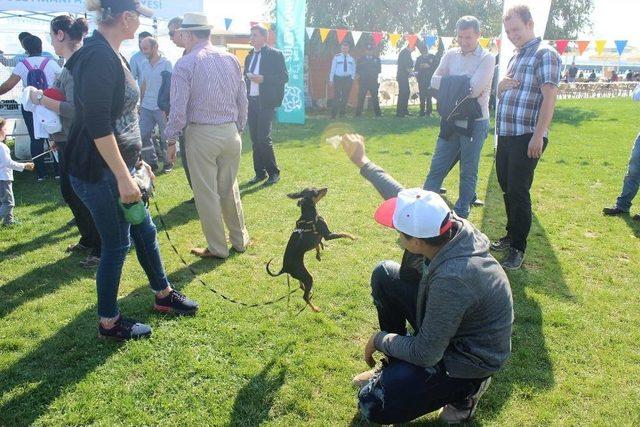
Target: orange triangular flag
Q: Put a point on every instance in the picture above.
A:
(341, 34)
(324, 32)
(600, 46)
(582, 45)
(393, 38)
(499, 43)
(412, 39)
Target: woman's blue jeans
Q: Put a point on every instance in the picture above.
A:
(101, 198)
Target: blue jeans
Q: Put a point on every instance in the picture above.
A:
(632, 179)
(447, 152)
(402, 391)
(101, 198)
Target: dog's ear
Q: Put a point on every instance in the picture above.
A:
(295, 195)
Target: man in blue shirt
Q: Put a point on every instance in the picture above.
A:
(138, 58)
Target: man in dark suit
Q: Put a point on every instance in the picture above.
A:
(405, 70)
(426, 65)
(368, 68)
(265, 75)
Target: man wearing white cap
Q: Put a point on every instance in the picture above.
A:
(461, 310)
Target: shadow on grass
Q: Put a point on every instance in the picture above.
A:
(530, 368)
(633, 224)
(39, 282)
(572, 115)
(60, 362)
(254, 400)
(37, 243)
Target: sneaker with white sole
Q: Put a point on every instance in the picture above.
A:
(455, 414)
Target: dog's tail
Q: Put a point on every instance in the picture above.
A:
(273, 274)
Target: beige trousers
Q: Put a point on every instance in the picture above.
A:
(213, 153)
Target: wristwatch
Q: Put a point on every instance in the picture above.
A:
(39, 97)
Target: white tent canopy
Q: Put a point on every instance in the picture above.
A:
(163, 9)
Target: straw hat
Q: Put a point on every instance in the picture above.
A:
(194, 22)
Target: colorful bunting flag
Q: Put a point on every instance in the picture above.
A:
(412, 39)
(356, 36)
(227, 23)
(377, 37)
(561, 46)
(310, 32)
(447, 41)
(341, 34)
(582, 45)
(600, 46)
(484, 42)
(620, 45)
(430, 41)
(393, 39)
(253, 23)
(498, 43)
(324, 32)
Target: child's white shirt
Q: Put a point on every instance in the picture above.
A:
(7, 164)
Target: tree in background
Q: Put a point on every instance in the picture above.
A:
(568, 17)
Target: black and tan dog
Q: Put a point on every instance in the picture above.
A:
(311, 228)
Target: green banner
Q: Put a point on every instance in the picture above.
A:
(290, 38)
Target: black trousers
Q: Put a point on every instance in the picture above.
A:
(515, 172)
(404, 91)
(260, 119)
(37, 147)
(426, 105)
(371, 87)
(89, 236)
(341, 90)
(183, 157)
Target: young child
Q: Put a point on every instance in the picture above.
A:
(7, 166)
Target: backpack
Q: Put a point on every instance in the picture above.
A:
(36, 76)
(164, 94)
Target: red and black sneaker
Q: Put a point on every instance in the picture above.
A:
(176, 303)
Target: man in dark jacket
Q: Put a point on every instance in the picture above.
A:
(461, 309)
(425, 67)
(405, 69)
(368, 68)
(265, 74)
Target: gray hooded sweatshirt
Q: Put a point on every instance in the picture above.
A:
(464, 305)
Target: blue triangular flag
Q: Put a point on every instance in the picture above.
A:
(431, 41)
(227, 23)
(620, 45)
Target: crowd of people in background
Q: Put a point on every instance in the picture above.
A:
(448, 287)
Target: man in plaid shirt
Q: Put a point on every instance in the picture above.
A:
(527, 101)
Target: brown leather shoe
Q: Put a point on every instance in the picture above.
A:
(205, 253)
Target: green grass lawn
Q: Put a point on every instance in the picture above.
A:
(576, 358)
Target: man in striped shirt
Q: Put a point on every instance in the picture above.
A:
(209, 105)
(525, 110)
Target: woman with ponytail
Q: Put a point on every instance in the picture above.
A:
(66, 35)
(102, 154)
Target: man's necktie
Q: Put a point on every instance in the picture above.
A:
(254, 62)
(344, 64)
